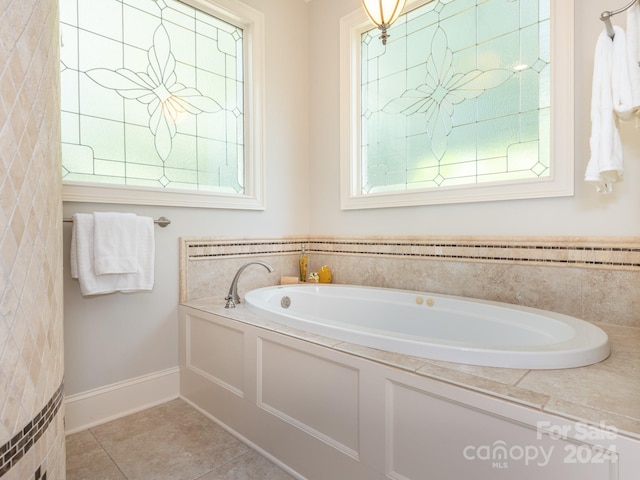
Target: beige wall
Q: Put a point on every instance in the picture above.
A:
(31, 340)
(114, 338)
(585, 214)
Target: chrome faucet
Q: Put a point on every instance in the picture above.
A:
(232, 297)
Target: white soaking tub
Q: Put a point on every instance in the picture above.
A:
(438, 327)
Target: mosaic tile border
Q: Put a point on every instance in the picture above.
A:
(561, 251)
(16, 448)
(208, 250)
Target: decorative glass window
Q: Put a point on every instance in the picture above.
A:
(460, 105)
(156, 96)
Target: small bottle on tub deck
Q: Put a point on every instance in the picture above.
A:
(303, 262)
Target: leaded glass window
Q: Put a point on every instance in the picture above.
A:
(152, 96)
(461, 96)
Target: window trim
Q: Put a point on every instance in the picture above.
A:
(252, 23)
(559, 184)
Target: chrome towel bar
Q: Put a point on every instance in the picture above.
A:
(162, 221)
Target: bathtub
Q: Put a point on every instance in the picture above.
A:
(438, 327)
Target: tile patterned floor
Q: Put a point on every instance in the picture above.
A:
(172, 441)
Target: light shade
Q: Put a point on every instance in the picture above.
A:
(383, 13)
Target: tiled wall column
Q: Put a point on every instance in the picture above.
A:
(31, 337)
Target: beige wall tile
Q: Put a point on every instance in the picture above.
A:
(586, 278)
(30, 231)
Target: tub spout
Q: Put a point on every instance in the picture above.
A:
(232, 297)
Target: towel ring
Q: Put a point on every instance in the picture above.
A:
(606, 18)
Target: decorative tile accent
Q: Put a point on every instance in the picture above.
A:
(206, 250)
(589, 253)
(12, 451)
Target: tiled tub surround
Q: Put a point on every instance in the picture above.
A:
(593, 279)
(596, 279)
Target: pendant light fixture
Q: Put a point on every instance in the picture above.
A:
(383, 13)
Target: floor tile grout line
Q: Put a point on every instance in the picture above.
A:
(106, 452)
(237, 457)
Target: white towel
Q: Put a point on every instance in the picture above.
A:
(82, 259)
(610, 100)
(633, 55)
(82, 227)
(115, 247)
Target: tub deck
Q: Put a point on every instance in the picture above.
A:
(608, 391)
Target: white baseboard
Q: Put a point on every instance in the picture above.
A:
(94, 407)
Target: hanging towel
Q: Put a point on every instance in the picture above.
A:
(610, 100)
(115, 243)
(633, 56)
(82, 259)
(82, 228)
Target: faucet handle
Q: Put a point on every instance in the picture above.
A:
(230, 303)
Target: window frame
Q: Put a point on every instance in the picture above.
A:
(253, 198)
(561, 181)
